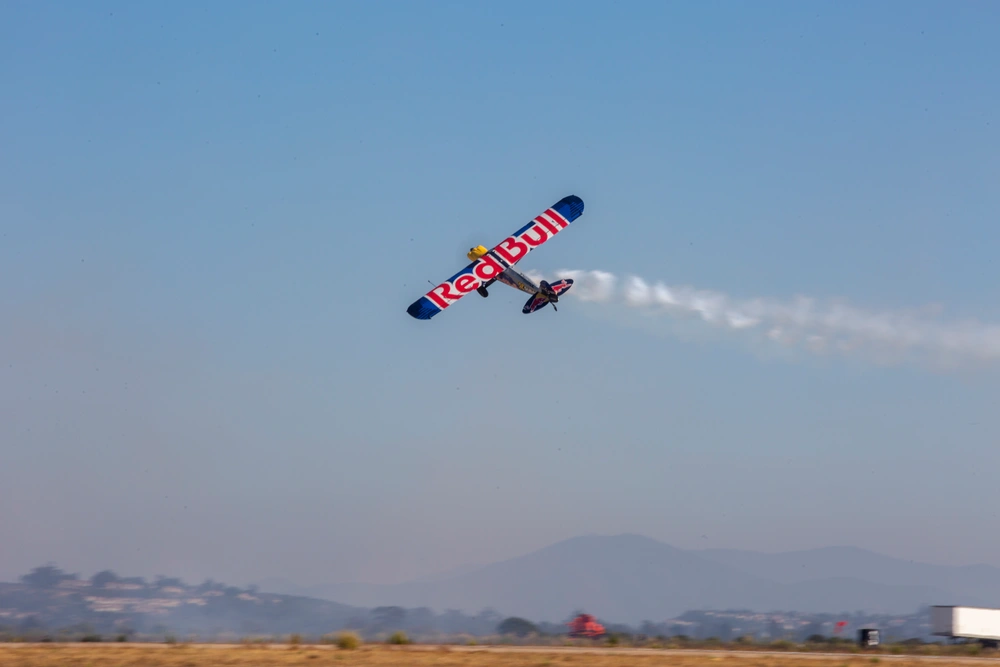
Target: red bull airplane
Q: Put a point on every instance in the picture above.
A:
(498, 263)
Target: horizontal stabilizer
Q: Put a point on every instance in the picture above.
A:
(535, 302)
(560, 287)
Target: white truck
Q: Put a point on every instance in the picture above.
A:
(967, 623)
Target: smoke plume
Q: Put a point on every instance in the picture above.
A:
(821, 328)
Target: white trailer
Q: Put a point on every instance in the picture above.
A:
(966, 623)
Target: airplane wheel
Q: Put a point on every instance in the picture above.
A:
(482, 292)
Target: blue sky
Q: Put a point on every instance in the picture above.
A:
(213, 217)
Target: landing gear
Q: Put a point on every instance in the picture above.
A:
(482, 292)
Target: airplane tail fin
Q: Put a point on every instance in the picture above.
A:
(558, 288)
(535, 302)
(549, 293)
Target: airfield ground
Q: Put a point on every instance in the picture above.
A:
(216, 655)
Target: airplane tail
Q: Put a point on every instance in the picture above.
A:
(549, 293)
(535, 302)
(559, 287)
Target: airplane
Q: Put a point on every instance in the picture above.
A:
(497, 263)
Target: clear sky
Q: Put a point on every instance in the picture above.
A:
(214, 215)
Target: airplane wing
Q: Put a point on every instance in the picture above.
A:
(505, 254)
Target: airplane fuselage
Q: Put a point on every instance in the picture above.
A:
(514, 278)
(517, 280)
(510, 276)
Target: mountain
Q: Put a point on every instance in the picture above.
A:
(963, 583)
(449, 574)
(615, 575)
(280, 586)
(631, 578)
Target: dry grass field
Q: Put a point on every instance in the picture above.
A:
(208, 655)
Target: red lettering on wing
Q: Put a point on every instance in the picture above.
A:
(542, 220)
(442, 292)
(466, 283)
(535, 235)
(559, 221)
(507, 247)
(487, 268)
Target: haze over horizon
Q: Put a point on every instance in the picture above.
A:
(212, 220)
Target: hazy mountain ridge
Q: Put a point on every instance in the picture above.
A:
(962, 581)
(633, 578)
(623, 579)
(73, 609)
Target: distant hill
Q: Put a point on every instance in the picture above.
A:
(622, 579)
(50, 603)
(632, 578)
(105, 604)
(961, 583)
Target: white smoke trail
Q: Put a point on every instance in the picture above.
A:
(801, 322)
